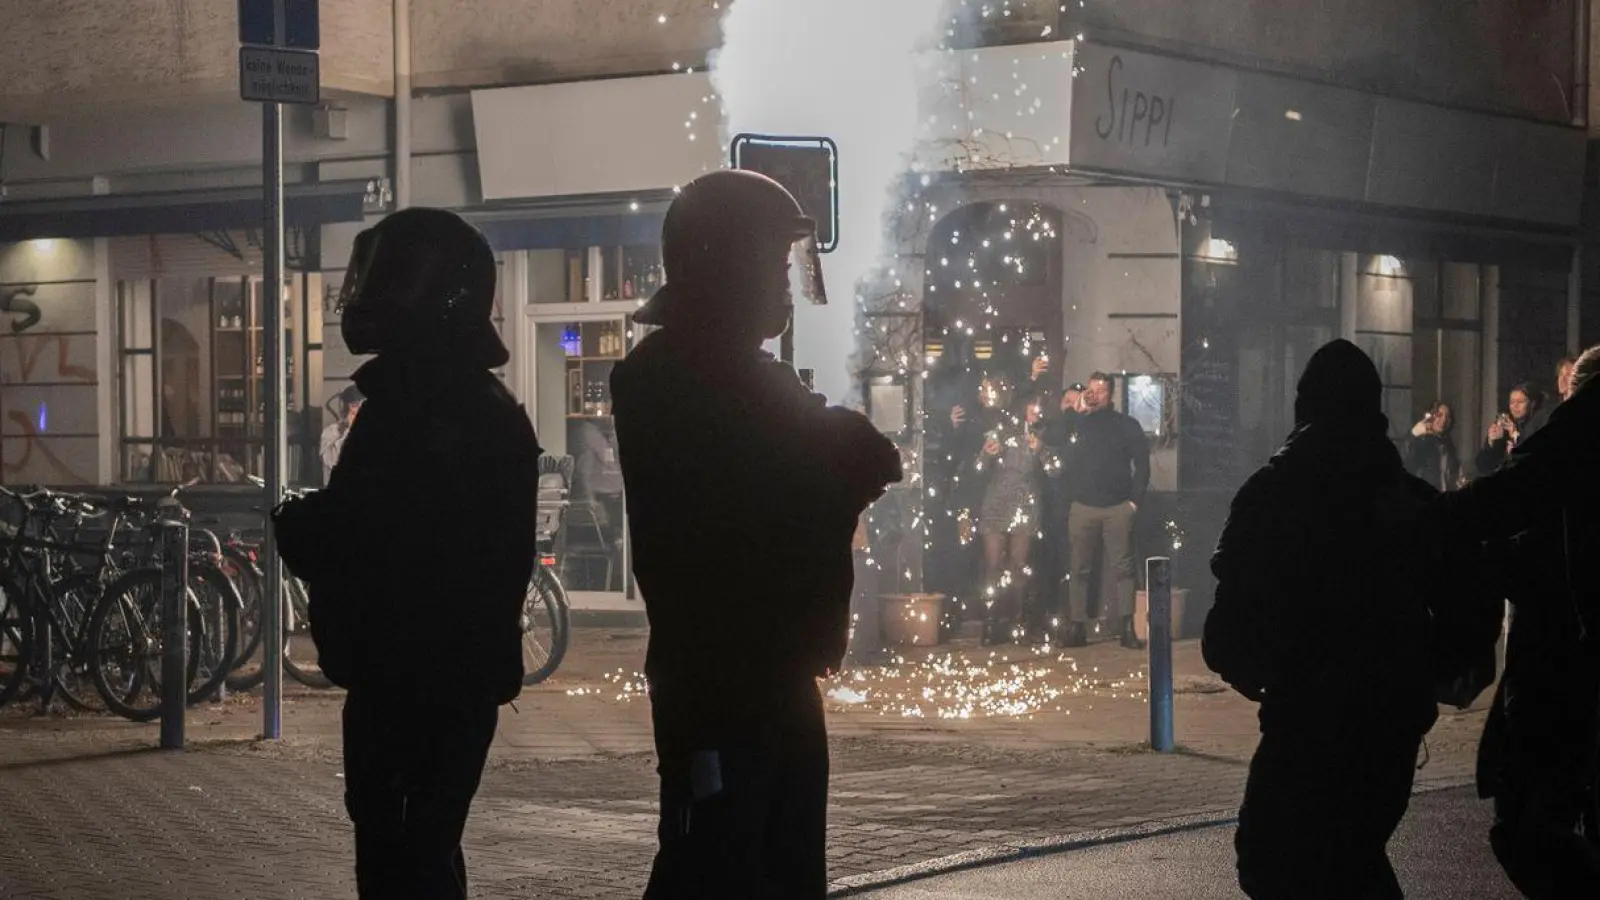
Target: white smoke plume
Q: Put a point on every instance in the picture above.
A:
(848, 70)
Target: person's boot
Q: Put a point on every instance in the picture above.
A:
(1075, 634)
(1130, 640)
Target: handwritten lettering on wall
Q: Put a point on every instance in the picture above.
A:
(48, 407)
(1135, 116)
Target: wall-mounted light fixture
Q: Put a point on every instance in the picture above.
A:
(1390, 266)
(45, 246)
(1217, 250)
(1292, 115)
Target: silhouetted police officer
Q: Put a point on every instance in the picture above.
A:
(743, 491)
(419, 551)
(1540, 754)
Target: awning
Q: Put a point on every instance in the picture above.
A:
(573, 222)
(640, 230)
(181, 212)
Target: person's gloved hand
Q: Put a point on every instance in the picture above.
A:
(295, 527)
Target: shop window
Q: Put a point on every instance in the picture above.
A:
(191, 378)
(594, 274)
(574, 360)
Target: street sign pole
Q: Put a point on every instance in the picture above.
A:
(272, 301)
(278, 63)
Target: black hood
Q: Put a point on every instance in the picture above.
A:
(1341, 385)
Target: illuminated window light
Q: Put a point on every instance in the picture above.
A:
(45, 245)
(1220, 251)
(1292, 115)
(1390, 266)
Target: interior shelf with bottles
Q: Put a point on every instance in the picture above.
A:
(239, 364)
(592, 349)
(624, 273)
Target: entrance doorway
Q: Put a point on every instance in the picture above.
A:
(993, 306)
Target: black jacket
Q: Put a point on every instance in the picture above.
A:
(1540, 507)
(1110, 459)
(419, 551)
(1432, 458)
(743, 492)
(1321, 608)
(1494, 454)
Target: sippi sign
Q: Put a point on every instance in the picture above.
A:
(1150, 115)
(1154, 116)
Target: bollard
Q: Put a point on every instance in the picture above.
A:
(1158, 587)
(175, 633)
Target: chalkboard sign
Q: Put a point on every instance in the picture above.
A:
(807, 166)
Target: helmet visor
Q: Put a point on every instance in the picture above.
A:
(805, 269)
(359, 271)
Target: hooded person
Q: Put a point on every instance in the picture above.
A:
(743, 492)
(1320, 618)
(1540, 755)
(439, 440)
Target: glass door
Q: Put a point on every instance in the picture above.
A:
(573, 358)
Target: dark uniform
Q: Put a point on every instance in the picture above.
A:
(419, 551)
(1540, 753)
(1321, 617)
(743, 493)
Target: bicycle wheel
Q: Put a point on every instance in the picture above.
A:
(74, 679)
(299, 650)
(16, 644)
(215, 601)
(248, 672)
(546, 628)
(124, 644)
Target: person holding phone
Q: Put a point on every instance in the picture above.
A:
(1509, 428)
(1430, 451)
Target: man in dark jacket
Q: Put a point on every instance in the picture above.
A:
(1320, 617)
(419, 551)
(1110, 474)
(1541, 744)
(743, 494)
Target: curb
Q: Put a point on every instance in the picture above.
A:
(608, 618)
(1081, 840)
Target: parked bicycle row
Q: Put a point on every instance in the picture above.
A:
(81, 613)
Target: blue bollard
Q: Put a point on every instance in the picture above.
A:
(1158, 586)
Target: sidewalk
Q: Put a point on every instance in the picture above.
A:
(974, 753)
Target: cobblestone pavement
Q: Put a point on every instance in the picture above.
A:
(566, 808)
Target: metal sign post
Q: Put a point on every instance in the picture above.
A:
(174, 633)
(281, 67)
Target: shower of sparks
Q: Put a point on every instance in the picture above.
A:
(948, 686)
(957, 685)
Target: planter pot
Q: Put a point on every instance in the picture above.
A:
(1141, 613)
(911, 620)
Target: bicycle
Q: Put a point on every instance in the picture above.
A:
(241, 552)
(546, 622)
(113, 633)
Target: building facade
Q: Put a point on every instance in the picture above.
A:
(1216, 191)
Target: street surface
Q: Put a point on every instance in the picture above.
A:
(1441, 852)
(973, 753)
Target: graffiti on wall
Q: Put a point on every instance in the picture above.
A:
(15, 300)
(41, 357)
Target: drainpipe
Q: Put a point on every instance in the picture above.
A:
(402, 103)
(1580, 63)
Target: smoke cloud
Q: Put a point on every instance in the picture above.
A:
(848, 70)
